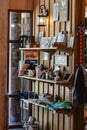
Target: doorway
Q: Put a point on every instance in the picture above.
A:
(19, 25)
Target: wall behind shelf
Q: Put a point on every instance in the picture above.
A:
(47, 119)
(52, 27)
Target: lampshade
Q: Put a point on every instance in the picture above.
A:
(41, 21)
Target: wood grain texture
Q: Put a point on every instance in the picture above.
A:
(35, 13)
(3, 65)
(59, 121)
(23, 5)
(52, 29)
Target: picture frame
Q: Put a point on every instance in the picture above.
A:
(55, 11)
(67, 76)
(63, 16)
(60, 37)
(61, 60)
(53, 40)
(45, 42)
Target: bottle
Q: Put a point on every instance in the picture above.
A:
(27, 44)
(46, 75)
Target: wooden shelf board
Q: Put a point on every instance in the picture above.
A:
(38, 49)
(65, 49)
(32, 101)
(47, 81)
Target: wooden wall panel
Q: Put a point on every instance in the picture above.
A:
(3, 59)
(56, 23)
(51, 19)
(85, 1)
(23, 5)
(47, 28)
(35, 10)
(56, 121)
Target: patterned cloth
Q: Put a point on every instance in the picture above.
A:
(63, 105)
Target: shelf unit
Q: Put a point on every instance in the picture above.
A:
(56, 86)
(65, 83)
(65, 49)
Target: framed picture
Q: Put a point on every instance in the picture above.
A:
(61, 37)
(53, 39)
(71, 42)
(67, 76)
(55, 11)
(63, 10)
(61, 60)
(45, 42)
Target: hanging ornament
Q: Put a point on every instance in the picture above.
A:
(80, 32)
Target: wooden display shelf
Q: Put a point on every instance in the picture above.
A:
(61, 48)
(38, 49)
(65, 83)
(32, 101)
